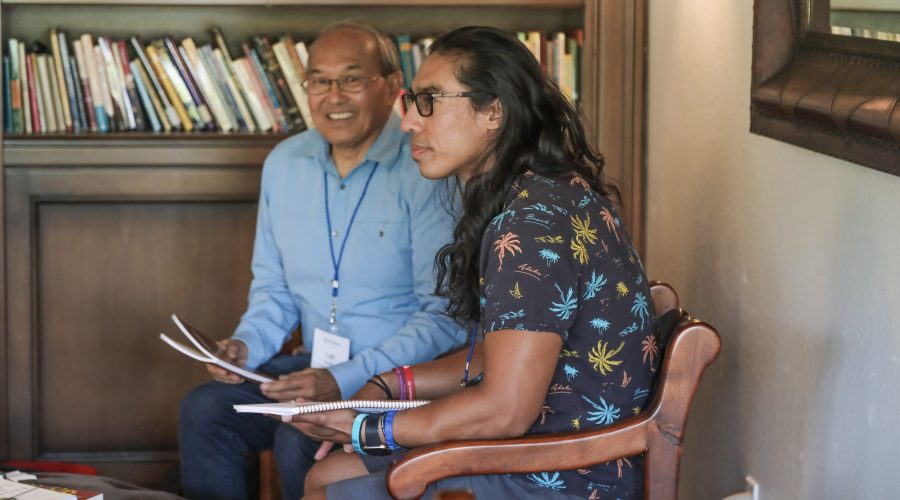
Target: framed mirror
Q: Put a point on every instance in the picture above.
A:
(826, 76)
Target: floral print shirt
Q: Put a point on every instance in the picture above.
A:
(557, 260)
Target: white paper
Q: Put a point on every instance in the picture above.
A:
(329, 349)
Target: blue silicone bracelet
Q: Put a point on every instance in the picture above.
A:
(354, 433)
(389, 431)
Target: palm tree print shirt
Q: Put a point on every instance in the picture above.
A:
(557, 260)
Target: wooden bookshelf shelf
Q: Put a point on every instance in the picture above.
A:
(550, 4)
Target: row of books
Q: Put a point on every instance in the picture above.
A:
(559, 54)
(103, 85)
(107, 85)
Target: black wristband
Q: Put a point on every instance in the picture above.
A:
(377, 380)
(372, 443)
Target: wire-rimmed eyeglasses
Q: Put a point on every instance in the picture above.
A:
(319, 85)
(425, 100)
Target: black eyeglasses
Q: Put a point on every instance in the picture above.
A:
(425, 100)
(350, 83)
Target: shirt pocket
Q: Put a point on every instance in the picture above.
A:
(383, 253)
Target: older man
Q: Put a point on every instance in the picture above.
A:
(345, 242)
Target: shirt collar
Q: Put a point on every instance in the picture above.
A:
(384, 150)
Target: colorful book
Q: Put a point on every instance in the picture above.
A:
(93, 76)
(74, 112)
(36, 124)
(120, 51)
(220, 110)
(7, 97)
(230, 94)
(144, 79)
(26, 90)
(14, 103)
(161, 75)
(190, 83)
(279, 83)
(234, 87)
(86, 97)
(299, 66)
(261, 86)
(61, 96)
(169, 115)
(223, 52)
(404, 46)
(252, 93)
(144, 95)
(46, 78)
(122, 114)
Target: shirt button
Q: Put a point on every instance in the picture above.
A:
(334, 234)
(343, 186)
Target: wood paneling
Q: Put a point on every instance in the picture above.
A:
(99, 258)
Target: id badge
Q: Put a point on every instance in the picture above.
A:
(329, 349)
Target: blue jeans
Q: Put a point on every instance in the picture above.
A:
(215, 441)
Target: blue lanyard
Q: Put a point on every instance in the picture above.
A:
(465, 381)
(336, 261)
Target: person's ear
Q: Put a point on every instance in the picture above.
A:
(395, 82)
(495, 115)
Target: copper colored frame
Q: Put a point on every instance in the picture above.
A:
(833, 94)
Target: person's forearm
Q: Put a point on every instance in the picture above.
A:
(440, 377)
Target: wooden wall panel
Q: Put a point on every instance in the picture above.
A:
(98, 259)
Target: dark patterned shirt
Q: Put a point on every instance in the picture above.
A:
(557, 260)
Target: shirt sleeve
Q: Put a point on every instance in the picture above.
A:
(428, 332)
(531, 275)
(271, 312)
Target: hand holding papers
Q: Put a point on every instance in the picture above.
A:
(208, 351)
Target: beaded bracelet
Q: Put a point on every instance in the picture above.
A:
(355, 431)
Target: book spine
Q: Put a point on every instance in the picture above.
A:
(83, 124)
(46, 94)
(104, 90)
(114, 87)
(160, 111)
(169, 115)
(36, 124)
(155, 62)
(294, 53)
(208, 87)
(279, 84)
(177, 82)
(93, 76)
(260, 115)
(242, 95)
(39, 92)
(298, 93)
(14, 103)
(141, 88)
(404, 45)
(190, 83)
(261, 87)
(87, 98)
(7, 97)
(55, 97)
(223, 83)
(130, 89)
(205, 109)
(26, 90)
(60, 82)
(235, 90)
(70, 84)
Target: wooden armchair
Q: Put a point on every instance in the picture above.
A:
(689, 345)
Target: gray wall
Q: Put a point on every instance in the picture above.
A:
(793, 255)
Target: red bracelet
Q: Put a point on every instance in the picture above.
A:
(410, 382)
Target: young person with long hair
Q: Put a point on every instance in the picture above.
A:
(539, 269)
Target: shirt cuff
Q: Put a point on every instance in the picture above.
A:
(255, 352)
(350, 377)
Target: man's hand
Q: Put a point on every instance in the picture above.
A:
(311, 384)
(233, 351)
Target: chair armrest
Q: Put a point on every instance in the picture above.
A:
(409, 477)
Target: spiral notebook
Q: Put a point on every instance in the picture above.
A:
(361, 405)
(206, 350)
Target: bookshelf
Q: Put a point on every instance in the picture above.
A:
(106, 235)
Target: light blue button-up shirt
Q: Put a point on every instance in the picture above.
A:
(386, 305)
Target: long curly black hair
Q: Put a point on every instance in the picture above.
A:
(540, 131)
